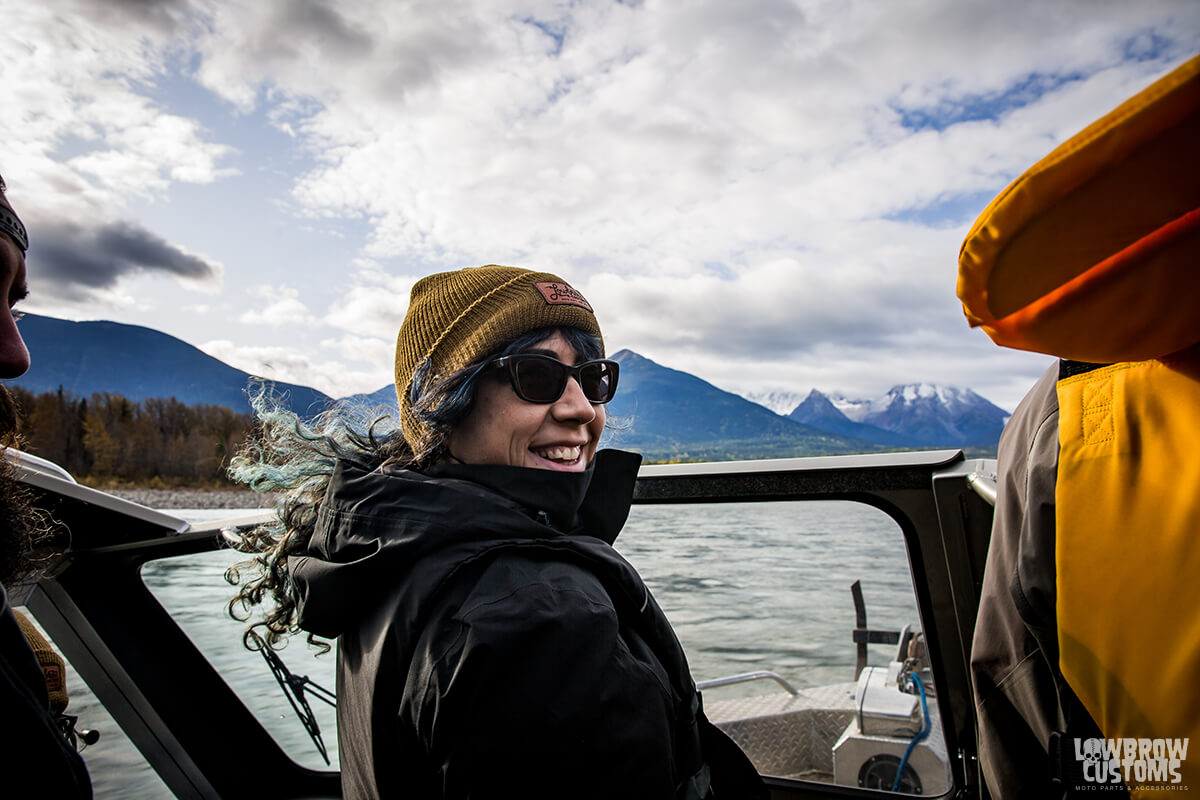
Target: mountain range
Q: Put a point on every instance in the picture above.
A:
(138, 363)
(912, 415)
(663, 413)
(667, 414)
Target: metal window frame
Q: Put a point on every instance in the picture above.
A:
(100, 613)
(946, 524)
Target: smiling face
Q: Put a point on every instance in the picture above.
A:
(504, 429)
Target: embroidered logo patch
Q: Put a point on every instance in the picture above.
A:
(54, 677)
(560, 294)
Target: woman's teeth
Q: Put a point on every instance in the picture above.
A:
(564, 454)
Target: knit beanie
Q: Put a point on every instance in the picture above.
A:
(10, 223)
(456, 318)
(53, 668)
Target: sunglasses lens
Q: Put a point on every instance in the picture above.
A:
(599, 382)
(540, 380)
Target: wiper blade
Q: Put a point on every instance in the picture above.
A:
(294, 687)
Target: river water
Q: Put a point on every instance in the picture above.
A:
(762, 586)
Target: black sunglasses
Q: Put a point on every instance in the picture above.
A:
(542, 379)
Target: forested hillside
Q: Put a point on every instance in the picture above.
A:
(108, 440)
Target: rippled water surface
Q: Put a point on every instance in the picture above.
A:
(746, 586)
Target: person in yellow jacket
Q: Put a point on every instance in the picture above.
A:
(1086, 655)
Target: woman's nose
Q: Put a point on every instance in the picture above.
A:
(14, 358)
(573, 405)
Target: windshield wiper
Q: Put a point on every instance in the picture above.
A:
(294, 687)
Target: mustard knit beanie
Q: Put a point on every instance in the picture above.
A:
(53, 667)
(457, 318)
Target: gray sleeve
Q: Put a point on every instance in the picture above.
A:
(1013, 655)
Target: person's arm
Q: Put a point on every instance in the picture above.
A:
(1012, 667)
(538, 693)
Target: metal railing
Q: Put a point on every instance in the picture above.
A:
(746, 678)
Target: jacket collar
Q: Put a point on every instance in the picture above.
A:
(381, 532)
(594, 502)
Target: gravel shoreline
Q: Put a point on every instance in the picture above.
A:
(196, 498)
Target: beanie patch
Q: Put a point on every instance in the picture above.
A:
(559, 294)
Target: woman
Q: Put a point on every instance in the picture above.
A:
(491, 643)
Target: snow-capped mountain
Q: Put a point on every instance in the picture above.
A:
(818, 411)
(854, 409)
(938, 415)
(781, 402)
(913, 415)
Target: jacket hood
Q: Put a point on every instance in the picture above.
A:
(379, 530)
(1092, 254)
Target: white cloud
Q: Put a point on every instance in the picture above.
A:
(770, 194)
(283, 308)
(73, 85)
(661, 132)
(265, 361)
(84, 137)
(375, 357)
(148, 149)
(375, 309)
(324, 371)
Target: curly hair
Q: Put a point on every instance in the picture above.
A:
(30, 538)
(296, 458)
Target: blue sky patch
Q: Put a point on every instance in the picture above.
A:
(946, 212)
(258, 142)
(1147, 46)
(986, 106)
(721, 270)
(73, 146)
(557, 32)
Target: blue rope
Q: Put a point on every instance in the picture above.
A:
(921, 734)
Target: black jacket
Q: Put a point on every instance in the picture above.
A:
(491, 643)
(33, 751)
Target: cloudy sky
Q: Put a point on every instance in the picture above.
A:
(770, 194)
